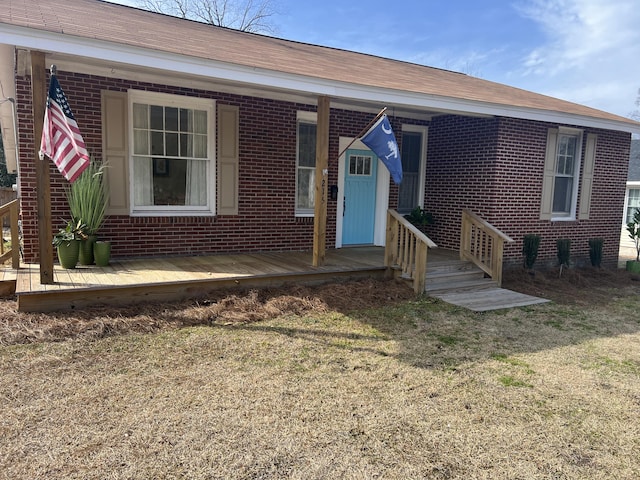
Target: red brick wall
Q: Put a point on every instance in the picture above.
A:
(460, 173)
(491, 166)
(494, 167)
(266, 187)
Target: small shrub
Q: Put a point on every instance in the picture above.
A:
(420, 217)
(564, 251)
(595, 251)
(633, 227)
(530, 246)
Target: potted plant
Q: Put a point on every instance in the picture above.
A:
(67, 243)
(87, 198)
(420, 218)
(633, 227)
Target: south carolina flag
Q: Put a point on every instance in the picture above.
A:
(61, 139)
(381, 140)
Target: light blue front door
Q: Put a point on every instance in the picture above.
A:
(358, 224)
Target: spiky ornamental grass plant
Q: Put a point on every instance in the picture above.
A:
(88, 197)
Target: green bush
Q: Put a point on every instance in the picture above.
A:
(564, 251)
(595, 251)
(419, 217)
(530, 246)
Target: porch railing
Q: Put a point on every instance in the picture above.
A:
(10, 210)
(483, 244)
(406, 250)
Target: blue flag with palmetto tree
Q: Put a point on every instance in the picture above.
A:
(381, 140)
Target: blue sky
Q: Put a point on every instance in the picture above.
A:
(584, 51)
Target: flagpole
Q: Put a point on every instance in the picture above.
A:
(364, 130)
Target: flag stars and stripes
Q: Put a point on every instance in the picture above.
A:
(61, 138)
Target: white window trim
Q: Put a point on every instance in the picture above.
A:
(303, 117)
(572, 216)
(167, 99)
(635, 185)
(424, 130)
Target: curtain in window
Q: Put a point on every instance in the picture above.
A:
(143, 174)
(196, 194)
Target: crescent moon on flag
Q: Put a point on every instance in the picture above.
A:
(388, 132)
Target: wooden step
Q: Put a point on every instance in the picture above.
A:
(459, 285)
(450, 266)
(463, 284)
(456, 275)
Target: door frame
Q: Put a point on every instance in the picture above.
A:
(382, 195)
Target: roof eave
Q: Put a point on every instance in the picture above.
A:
(55, 42)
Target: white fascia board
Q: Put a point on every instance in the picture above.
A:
(149, 58)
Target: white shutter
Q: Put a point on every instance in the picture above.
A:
(228, 159)
(546, 204)
(587, 176)
(115, 150)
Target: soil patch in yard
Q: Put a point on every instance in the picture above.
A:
(574, 286)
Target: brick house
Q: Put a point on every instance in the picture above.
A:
(210, 138)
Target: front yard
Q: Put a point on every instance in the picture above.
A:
(302, 385)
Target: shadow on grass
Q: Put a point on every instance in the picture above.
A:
(380, 317)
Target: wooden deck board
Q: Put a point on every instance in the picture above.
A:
(158, 279)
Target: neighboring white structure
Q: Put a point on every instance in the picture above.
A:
(631, 200)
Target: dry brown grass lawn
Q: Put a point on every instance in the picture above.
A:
(355, 380)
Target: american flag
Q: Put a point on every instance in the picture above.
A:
(61, 139)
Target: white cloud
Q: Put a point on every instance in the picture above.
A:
(590, 55)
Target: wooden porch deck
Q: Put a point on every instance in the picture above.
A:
(173, 278)
(130, 281)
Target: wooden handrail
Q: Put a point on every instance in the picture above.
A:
(11, 209)
(482, 244)
(406, 250)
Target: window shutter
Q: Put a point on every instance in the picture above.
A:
(228, 159)
(549, 175)
(587, 176)
(115, 150)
